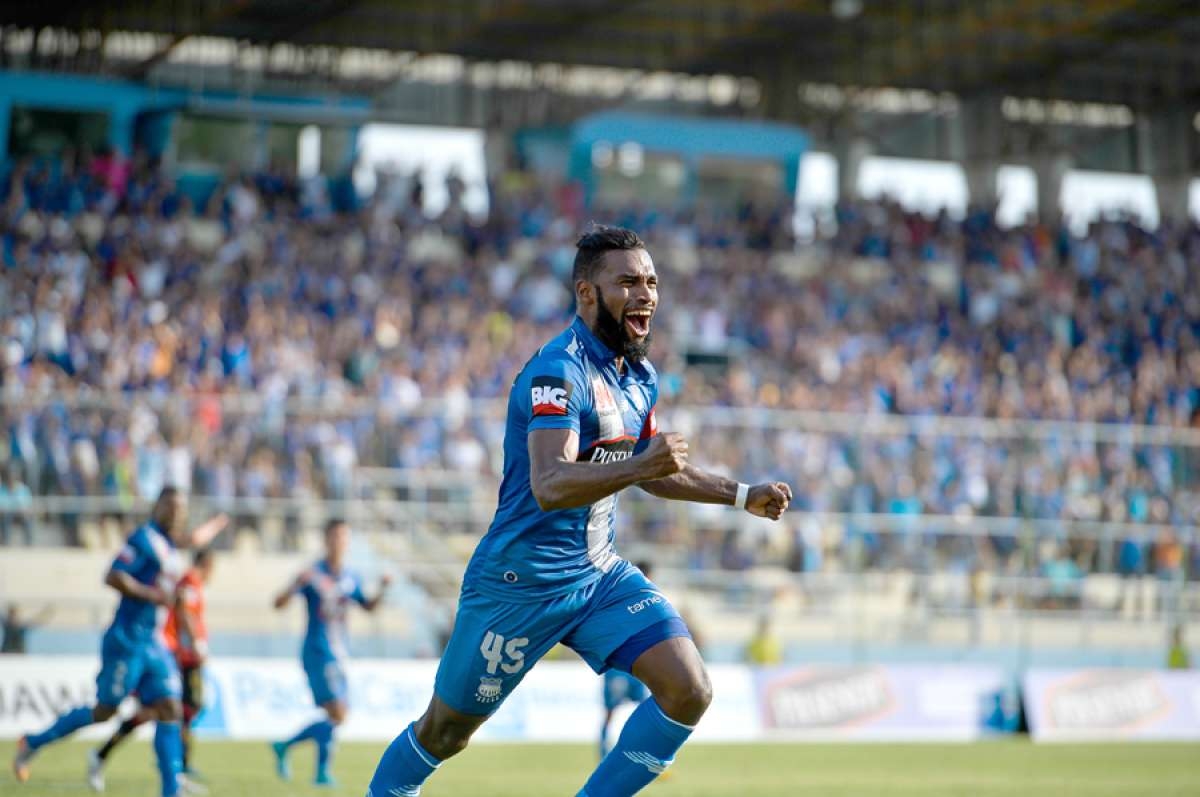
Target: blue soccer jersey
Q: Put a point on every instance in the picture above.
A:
(571, 383)
(151, 558)
(327, 598)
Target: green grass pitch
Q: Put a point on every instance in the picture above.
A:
(244, 769)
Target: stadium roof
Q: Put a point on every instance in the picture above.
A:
(1141, 53)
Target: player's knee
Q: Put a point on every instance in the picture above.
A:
(698, 697)
(443, 737)
(102, 713)
(169, 710)
(688, 699)
(336, 712)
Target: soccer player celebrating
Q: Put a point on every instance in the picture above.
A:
(133, 655)
(328, 588)
(187, 638)
(581, 428)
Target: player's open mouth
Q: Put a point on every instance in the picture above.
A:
(638, 323)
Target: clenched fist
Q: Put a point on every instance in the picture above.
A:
(667, 454)
(769, 500)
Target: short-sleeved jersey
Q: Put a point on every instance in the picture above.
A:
(189, 649)
(571, 383)
(327, 598)
(151, 558)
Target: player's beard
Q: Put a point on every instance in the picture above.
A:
(612, 333)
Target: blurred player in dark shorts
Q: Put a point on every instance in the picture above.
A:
(186, 636)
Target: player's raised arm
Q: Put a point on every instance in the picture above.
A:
(372, 603)
(207, 531)
(559, 482)
(769, 500)
(285, 597)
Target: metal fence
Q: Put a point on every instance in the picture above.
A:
(1083, 525)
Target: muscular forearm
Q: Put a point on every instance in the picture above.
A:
(207, 531)
(130, 587)
(573, 484)
(285, 597)
(693, 484)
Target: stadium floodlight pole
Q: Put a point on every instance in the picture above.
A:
(581, 428)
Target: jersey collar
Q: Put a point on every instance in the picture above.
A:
(595, 349)
(604, 356)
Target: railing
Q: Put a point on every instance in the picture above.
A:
(429, 517)
(464, 506)
(867, 424)
(818, 616)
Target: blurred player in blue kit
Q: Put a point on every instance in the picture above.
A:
(580, 429)
(134, 656)
(328, 588)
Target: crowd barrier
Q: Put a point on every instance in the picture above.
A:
(558, 701)
(1112, 705)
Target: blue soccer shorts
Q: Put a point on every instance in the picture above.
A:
(326, 678)
(144, 666)
(620, 687)
(495, 643)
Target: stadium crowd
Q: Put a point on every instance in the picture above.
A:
(263, 345)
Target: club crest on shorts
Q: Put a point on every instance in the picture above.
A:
(489, 689)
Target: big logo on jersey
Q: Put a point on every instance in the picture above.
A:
(549, 396)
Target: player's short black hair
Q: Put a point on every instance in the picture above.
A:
(645, 566)
(598, 241)
(333, 523)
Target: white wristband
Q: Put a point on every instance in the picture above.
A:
(743, 491)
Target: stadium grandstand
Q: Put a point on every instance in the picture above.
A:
(936, 265)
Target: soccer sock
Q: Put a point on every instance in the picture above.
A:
(168, 748)
(185, 748)
(645, 748)
(403, 768)
(604, 736)
(65, 725)
(127, 727)
(324, 739)
(310, 732)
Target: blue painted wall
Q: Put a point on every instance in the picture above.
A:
(121, 100)
(689, 138)
(143, 115)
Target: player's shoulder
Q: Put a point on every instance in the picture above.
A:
(563, 352)
(557, 366)
(147, 538)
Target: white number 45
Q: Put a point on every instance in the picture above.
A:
(494, 650)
